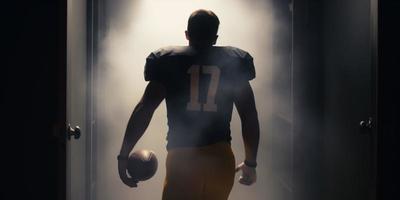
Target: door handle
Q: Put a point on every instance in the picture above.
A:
(76, 132)
(366, 124)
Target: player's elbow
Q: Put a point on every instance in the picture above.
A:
(146, 108)
(249, 117)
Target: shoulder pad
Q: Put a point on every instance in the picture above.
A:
(236, 52)
(245, 69)
(173, 51)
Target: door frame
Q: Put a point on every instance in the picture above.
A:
(95, 21)
(374, 15)
(91, 47)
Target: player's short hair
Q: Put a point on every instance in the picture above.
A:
(202, 25)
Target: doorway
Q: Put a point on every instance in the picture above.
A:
(120, 35)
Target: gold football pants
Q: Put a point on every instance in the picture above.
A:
(199, 173)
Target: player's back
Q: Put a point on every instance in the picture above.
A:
(200, 85)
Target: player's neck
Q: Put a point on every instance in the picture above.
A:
(199, 45)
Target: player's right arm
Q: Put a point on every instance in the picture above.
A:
(137, 124)
(246, 107)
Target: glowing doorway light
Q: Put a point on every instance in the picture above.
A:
(143, 26)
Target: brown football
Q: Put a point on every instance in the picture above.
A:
(142, 165)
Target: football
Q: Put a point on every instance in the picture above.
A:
(142, 165)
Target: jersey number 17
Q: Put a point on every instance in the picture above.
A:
(194, 104)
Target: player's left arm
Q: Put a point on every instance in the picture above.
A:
(138, 123)
(245, 104)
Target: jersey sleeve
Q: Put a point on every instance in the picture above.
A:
(247, 70)
(152, 68)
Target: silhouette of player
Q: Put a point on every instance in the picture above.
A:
(200, 84)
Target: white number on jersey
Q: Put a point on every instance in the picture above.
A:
(194, 104)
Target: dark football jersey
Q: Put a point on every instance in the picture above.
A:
(199, 87)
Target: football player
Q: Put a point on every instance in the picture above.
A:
(200, 84)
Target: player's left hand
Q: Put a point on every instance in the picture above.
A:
(249, 175)
(122, 165)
